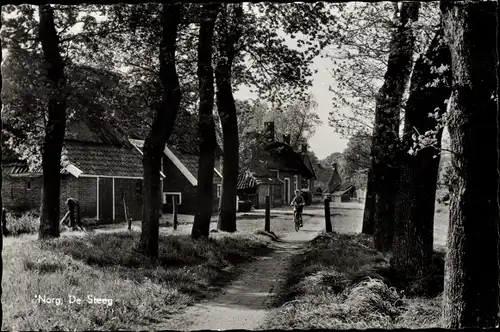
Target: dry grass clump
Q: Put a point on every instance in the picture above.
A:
(341, 282)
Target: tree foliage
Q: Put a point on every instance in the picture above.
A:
(359, 52)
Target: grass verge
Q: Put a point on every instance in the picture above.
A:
(106, 266)
(341, 282)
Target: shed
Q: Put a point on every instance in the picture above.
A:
(344, 193)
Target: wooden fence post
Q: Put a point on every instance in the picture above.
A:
(174, 207)
(127, 217)
(328, 222)
(267, 223)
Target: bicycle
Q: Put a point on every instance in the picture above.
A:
(297, 216)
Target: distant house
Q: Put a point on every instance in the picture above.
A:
(335, 179)
(180, 169)
(344, 193)
(99, 169)
(276, 170)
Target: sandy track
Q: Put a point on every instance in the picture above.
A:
(245, 303)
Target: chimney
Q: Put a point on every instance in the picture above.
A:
(269, 131)
(304, 148)
(286, 139)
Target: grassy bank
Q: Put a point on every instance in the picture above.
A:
(341, 282)
(136, 292)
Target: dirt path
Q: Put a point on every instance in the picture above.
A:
(245, 303)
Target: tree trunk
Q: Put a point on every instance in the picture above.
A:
(161, 129)
(471, 288)
(414, 211)
(387, 113)
(56, 123)
(369, 211)
(1, 201)
(228, 38)
(206, 126)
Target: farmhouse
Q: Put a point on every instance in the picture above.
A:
(98, 169)
(180, 169)
(276, 170)
(102, 168)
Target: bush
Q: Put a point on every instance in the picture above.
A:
(28, 223)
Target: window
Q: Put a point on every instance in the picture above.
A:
(138, 187)
(296, 181)
(219, 190)
(168, 197)
(28, 185)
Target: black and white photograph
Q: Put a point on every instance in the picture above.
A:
(187, 166)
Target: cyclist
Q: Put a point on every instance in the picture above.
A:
(298, 204)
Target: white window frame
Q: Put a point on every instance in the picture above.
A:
(308, 184)
(219, 190)
(172, 193)
(287, 197)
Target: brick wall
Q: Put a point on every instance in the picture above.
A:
(18, 194)
(26, 193)
(21, 193)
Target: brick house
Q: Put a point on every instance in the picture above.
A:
(180, 169)
(276, 170)
(97, 169)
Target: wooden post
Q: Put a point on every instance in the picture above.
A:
(328, 222)
(127, 219)
(174, 212)
(4, 222)
(267, 223)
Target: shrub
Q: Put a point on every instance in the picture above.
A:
(28, 223)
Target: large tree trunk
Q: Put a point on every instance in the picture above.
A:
(56, 123)
(471, 288)
(1, 201)
(369, 211)
(415, 201)
(161, 129)
(206, 126)
(387, 113)
(228, 37)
